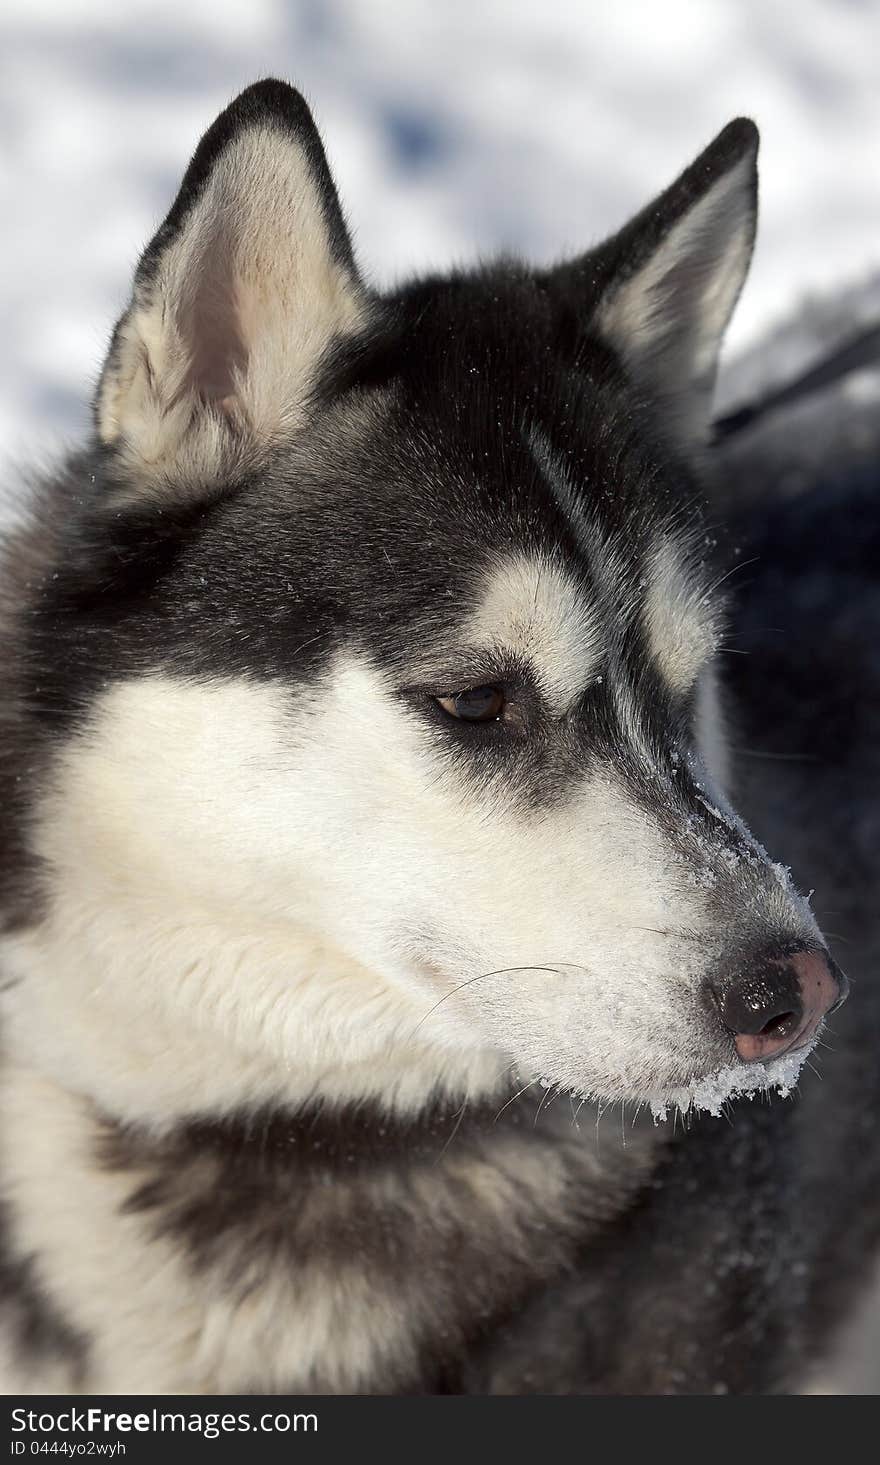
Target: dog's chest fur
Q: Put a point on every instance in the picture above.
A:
(337, 1252)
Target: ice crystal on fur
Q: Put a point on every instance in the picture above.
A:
(712, 1092)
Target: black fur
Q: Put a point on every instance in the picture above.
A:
(37, 1328)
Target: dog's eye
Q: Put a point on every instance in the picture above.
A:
(477, 704)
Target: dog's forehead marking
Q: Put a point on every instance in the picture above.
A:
(610, 567)
(534, 609)
(680, 623)
(557, 476)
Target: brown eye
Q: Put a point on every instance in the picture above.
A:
(477, 704)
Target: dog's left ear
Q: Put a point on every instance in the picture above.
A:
(245, 288)
(664, 288)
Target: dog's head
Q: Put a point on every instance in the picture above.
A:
(387, 627)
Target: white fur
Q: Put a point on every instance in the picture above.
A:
(533, 610)
(201, 951)
(682, 630)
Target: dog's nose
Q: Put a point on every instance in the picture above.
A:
(780, 1002)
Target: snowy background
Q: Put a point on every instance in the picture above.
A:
(454, 128)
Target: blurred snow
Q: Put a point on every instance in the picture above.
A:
(454, 129)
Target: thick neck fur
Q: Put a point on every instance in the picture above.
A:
(336, 1248)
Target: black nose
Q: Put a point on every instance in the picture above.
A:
(779, 1003)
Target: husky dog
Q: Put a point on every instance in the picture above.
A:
(365, 822)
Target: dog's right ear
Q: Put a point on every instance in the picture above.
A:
(661, 292)
(245, 286)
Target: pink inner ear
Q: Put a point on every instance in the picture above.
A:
(210, 324)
